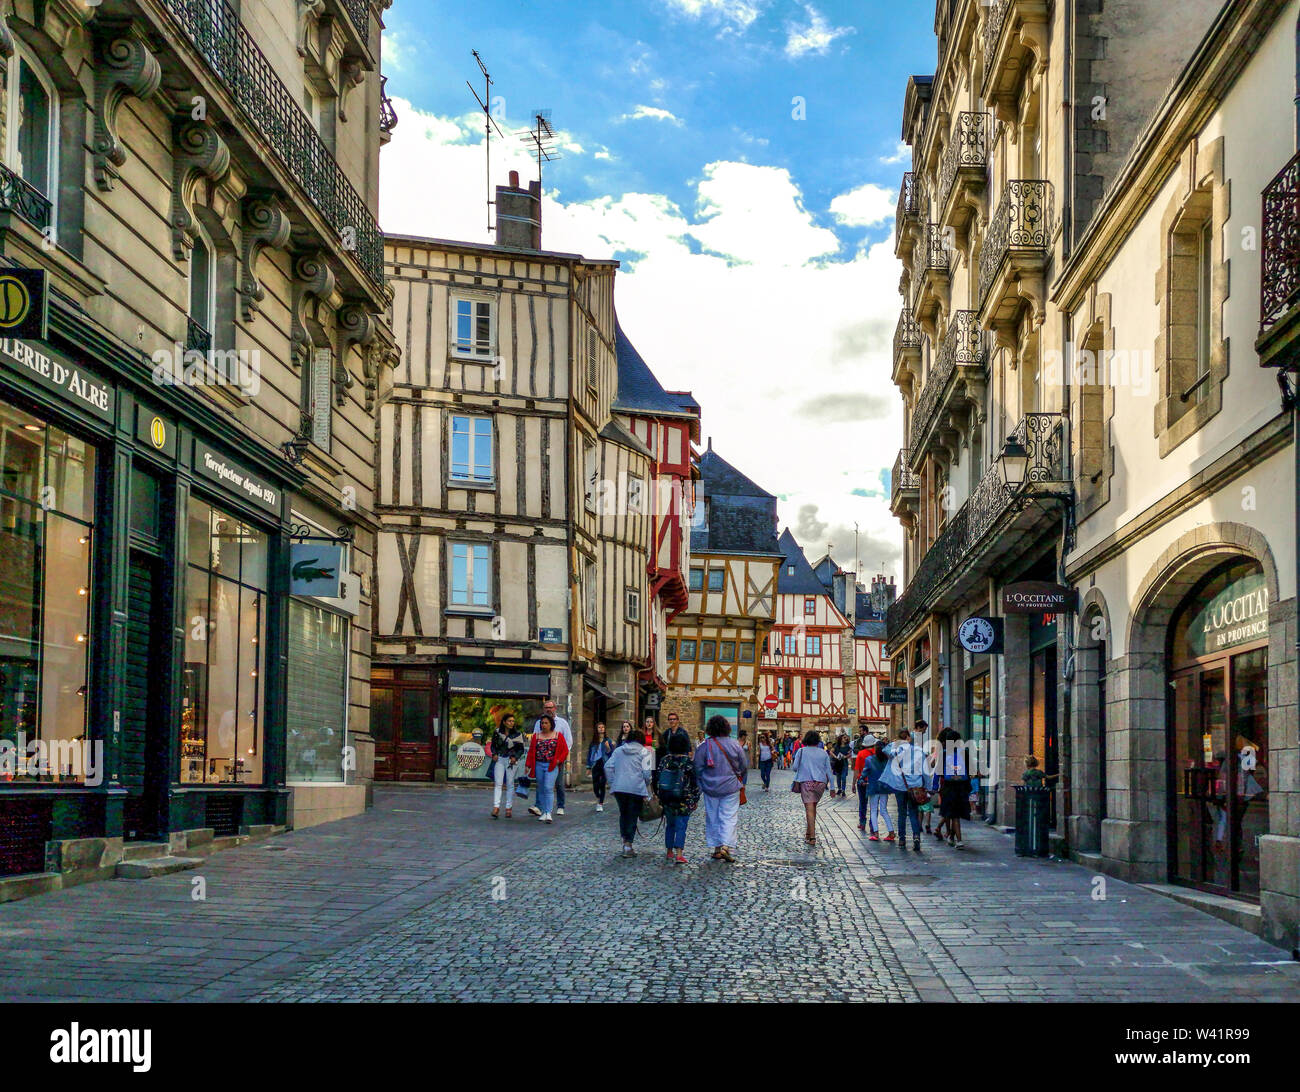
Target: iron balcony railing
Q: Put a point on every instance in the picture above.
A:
(994, 18)
(907, 334)
(1022, 222)
(359, 13)
(906, 203)
(197, 338)
(962, 345)
(214, 28)
(387, 115)
(964, 535)
(902, 477)
(20, 196)
(967, 147)
(1280, 253)
(931, 254)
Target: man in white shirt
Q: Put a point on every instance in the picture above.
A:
(561, 726)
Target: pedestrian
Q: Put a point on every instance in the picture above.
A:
(812, 773)
(840, 759)
(905, 777)
(955, 786)
(651, 727)
(507, 749)
(624, 730)
(875, 794)
(561, 726)
(547, 751)
(860, 779)
(629, 781)
(720, 771)
(678, 792)
(597, 755)
(765, 761)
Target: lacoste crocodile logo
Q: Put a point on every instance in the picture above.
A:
(307, 569)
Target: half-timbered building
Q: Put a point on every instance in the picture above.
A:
(515, 529)
(714, 646)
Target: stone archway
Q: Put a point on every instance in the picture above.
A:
(1134, 836)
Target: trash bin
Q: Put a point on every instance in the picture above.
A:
(1032, 813)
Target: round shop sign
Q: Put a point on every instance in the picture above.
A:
(471, 755)
(976, 634)
(158, 433)
(15, 301)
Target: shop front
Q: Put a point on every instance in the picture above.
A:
(477, 701)
(1218, 737)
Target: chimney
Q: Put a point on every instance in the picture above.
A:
(519, 215)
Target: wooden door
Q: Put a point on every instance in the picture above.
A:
(401, 721)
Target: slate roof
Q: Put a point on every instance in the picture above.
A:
(616, 432)
(684, 399)
(804, 581)
(871, 627)
(742, 515)
(638, 390)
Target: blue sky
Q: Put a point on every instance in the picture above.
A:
(682, 157)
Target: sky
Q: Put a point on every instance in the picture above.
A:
(741, 159)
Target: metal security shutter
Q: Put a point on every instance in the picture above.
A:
(318, 687)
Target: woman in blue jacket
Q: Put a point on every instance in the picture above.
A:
(601, 748)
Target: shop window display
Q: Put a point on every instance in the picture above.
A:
(472, 720)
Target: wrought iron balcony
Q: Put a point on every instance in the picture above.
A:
(1279, 290)
(359, 14)
(994, 19)
(387, 115)
(965, 159)
(993, 522)
(961, 351)
(20, 196)
(907, 344)
(929, 270)
(1013, 30)
(903, 481)
(905, 213)
(197, 338)
(1017, 240)
(214, 29)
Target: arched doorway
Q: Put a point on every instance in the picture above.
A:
(1217, 670)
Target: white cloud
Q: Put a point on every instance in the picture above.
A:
(736, 13)
(902, 154)
(865, 206)
(741, 297)
(817, 37)
(653, 113)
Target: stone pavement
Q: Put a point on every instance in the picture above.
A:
(425, 898)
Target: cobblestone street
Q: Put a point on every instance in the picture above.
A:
(398, 905)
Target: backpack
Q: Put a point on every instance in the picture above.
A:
(672, 776)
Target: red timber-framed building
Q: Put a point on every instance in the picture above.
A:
(667, 423)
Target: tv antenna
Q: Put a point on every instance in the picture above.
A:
(489, 123)
(542, 137)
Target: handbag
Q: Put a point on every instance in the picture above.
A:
(651, 809)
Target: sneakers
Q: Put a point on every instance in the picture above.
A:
(496, 812)
(916, 845)
(862, 826)
(874, 838)
(559, 811)
(680, 858)
(961, 845)
(509, 813)
(535, 811)
(546, 818)
(600, 807)
(627, 850)
(889, 837)
(951, 840)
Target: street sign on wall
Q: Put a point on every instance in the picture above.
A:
(893, 695)
(980, 635)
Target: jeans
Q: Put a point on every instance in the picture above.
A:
(908, 807)
(879, 812)
(559, 786)
(598, 782)
(720, 815)
(503, 774)
(545, 790)
(629, 811)
(765, 768)
(862, 807)
(841, 777)
(675, 830)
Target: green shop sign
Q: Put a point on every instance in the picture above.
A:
(1238, 615)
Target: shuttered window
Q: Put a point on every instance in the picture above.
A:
(318, 693)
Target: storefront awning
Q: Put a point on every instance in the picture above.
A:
(592, 684)
(522, 683)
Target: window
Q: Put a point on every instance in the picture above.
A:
(708, 650)
(782, 688)
(688, 650)
(593, 343)
(317, 706)
(473, 330)
(746, 652)
(810, 605)
(810, 690)
(471, 575)
(226, 607)
(633, 605)
(716, 577)
(635, 494)
(670, 648)
(589, 470)
(812, 646)
(471, 450)
(789, 570)
(697, 579)
(590, 592)
(727, 652)
(32, 124)
(791, 645)
(203, 292)
(44, 592)
(1204, 272)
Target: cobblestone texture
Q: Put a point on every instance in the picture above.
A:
(398, 905)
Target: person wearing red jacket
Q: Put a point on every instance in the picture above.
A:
(547, 751)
